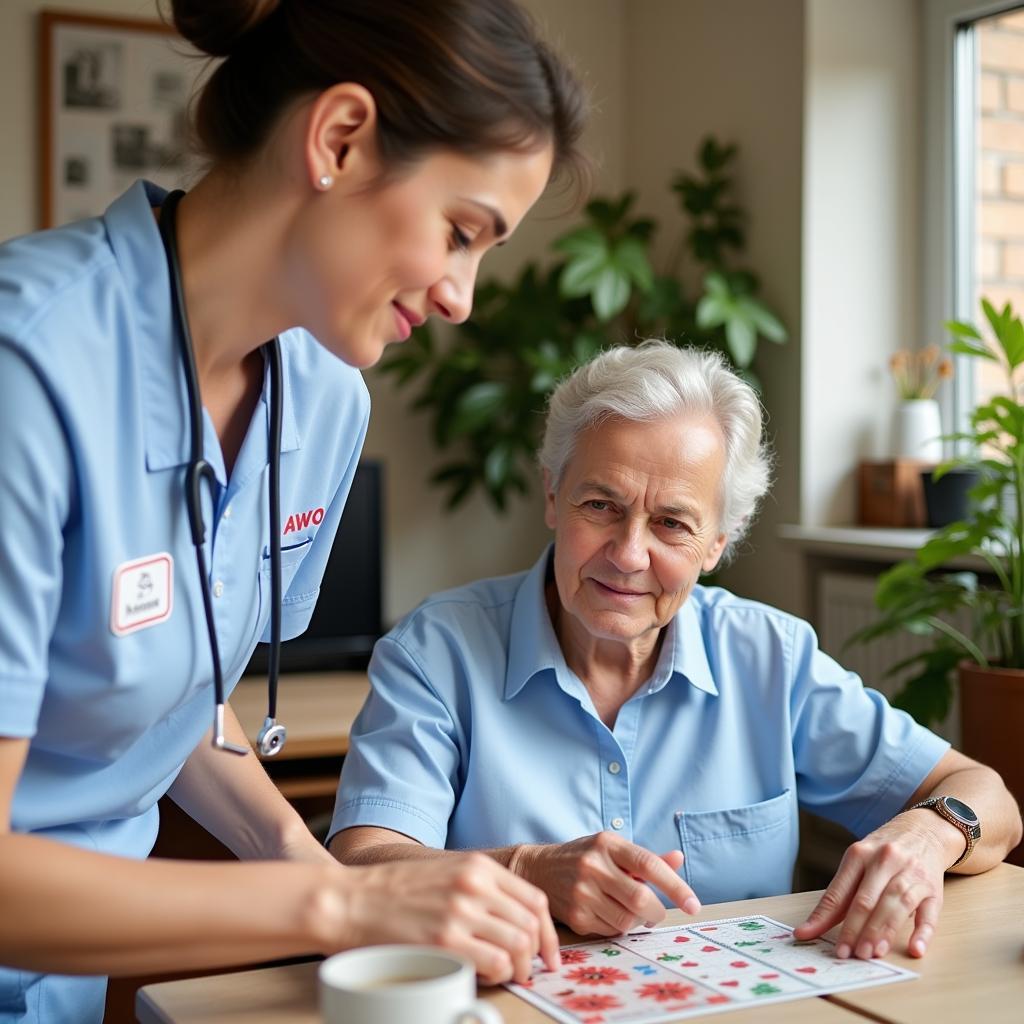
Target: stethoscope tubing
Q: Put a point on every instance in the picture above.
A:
(272, 736)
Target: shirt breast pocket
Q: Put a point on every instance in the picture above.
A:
(291, 558)
(740, 852)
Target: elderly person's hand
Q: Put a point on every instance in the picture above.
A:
(597, 884)
(894, 873)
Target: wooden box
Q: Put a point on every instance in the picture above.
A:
(890, 493)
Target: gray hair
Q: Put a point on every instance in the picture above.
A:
(656, 380)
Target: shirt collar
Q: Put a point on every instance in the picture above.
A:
(534, 647)
(138, 249)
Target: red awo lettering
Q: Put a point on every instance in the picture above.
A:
(300, 520)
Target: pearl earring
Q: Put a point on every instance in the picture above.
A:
(326, 181)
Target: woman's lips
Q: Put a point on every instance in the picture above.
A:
(402, 322)
(615, 592)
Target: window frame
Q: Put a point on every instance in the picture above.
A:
(950, 77)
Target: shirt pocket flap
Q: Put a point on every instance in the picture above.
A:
(740, 852)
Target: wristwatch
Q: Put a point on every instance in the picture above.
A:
(957, 813)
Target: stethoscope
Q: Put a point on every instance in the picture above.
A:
(272, 736)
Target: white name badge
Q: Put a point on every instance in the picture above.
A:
(143, 593)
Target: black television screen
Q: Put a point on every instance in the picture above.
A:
(348, 618)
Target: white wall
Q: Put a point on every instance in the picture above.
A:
(862, 227)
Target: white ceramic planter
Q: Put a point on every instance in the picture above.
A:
(917, 430)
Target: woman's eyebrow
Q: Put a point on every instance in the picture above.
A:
(500, 227)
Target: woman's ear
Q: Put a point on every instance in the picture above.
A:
(341, 137)
(550, 517)
(714, 553)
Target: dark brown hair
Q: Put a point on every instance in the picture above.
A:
(466, 75)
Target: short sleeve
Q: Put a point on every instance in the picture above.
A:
(299, 601)
(402, 768)
(35, 502)
(858, 760)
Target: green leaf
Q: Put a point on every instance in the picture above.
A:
(581, 275)
(963, 330)
(582, 242)
(766, 322)
(712, 311)
(967, 348)
(478, 405)
(927, 696)
(610, 293)
(630, 256)
(1011, 340)
(742, 340)
(497, 465)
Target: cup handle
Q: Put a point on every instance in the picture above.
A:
(481, 1013)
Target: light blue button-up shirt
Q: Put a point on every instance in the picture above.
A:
(477, 734)
(93, 417)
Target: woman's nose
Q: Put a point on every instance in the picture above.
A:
(628, 549)
(452, 296)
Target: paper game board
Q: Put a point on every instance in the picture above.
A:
(672, 974)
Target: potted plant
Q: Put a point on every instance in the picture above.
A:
(923, 595)
(486, 391)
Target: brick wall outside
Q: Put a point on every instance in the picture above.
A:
(999, 259)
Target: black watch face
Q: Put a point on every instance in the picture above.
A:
(961, 810)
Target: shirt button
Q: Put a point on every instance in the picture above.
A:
(615, 767)
(218, 588)
(617, 823)
(227, 512)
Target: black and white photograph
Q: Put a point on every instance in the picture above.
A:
(115, 101)
(92, 77)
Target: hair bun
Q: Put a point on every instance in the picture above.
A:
(216, 28)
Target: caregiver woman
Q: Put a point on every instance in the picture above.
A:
(363, 155)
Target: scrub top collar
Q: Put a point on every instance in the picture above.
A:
(534, 647)
(135, 239)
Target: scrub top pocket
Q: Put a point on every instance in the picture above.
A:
(291, 558)
(742, 852)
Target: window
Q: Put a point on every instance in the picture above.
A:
(988, 132)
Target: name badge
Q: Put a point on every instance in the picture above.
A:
(143, 593)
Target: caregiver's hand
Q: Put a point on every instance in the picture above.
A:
(465, 902)
(597, 884)
(894, 873)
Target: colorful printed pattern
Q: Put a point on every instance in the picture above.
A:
(674, 973)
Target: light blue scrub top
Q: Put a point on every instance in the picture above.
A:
(93, 417)
(477, 734)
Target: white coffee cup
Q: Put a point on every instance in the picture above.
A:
(401, 985)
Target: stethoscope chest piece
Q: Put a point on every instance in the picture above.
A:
(271, 738)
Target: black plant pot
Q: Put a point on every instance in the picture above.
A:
(945, 500)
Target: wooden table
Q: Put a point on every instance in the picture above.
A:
(974, 971)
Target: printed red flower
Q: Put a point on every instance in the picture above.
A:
(596, 976)
(591, 1001)
(666, 991)
(575, 956)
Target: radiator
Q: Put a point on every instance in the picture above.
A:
(845, 604)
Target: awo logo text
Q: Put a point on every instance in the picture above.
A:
(302, 520)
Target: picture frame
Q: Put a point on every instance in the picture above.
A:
(114, 100)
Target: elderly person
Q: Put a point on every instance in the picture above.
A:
(602, 721)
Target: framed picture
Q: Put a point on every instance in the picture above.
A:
(114, 107)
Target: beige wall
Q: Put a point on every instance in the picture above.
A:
(734, 68)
